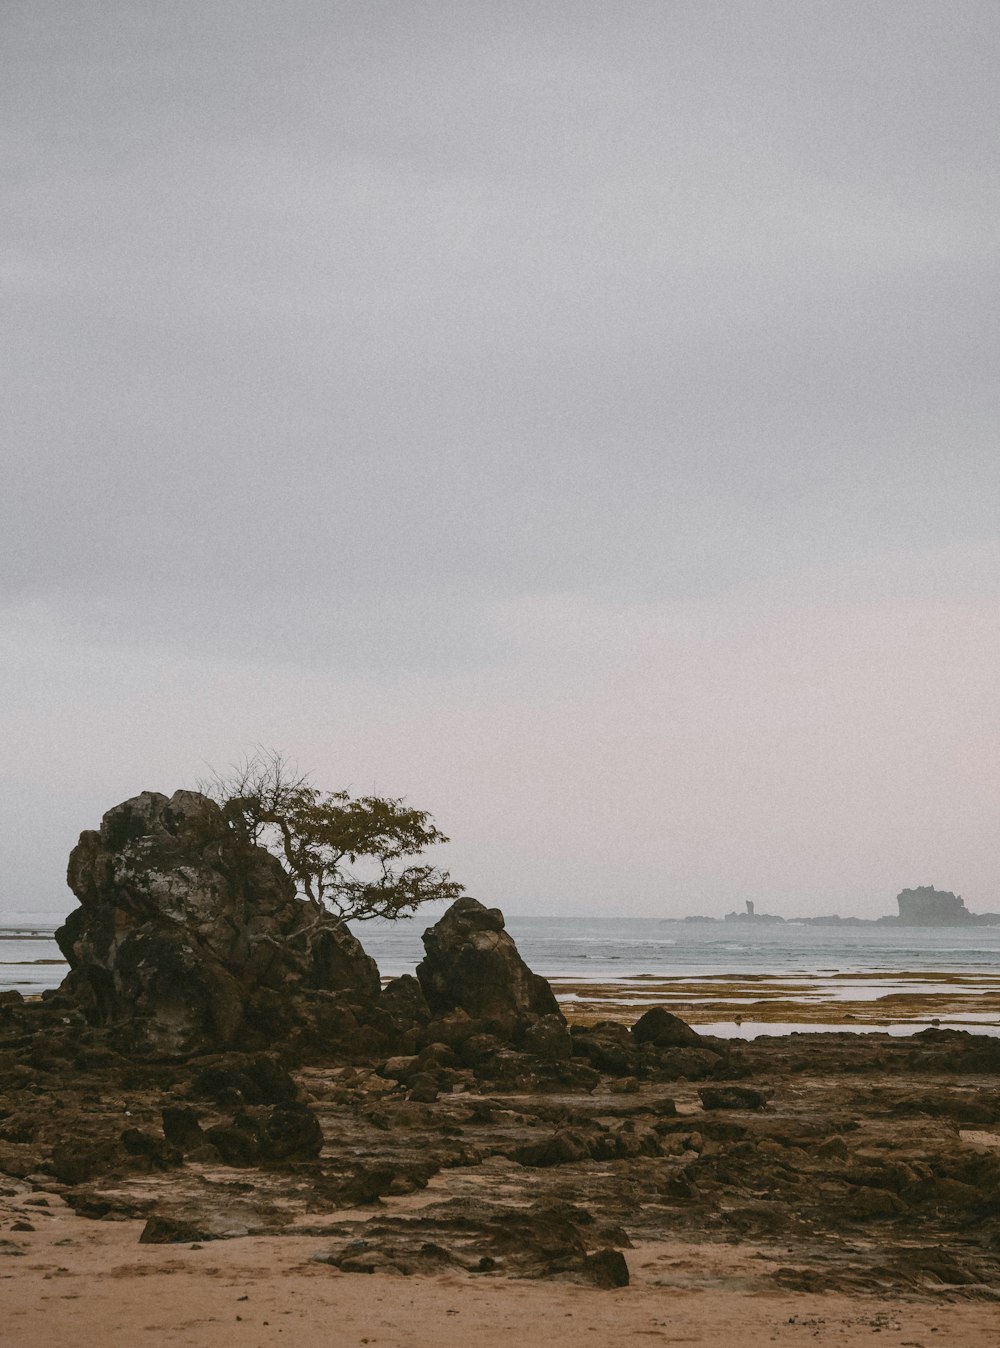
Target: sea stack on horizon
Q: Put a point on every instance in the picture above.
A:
(926, 906)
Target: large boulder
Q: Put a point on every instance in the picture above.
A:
(472, 965)
(189, 938)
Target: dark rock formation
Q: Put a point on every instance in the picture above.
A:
(665, 1030)
(607, 1046)
(238, 1080)
(869, 1171)
(268, 1133)
(472, 965)
(926, 906)
(751, 915)
(732, 1097)
(403, 999)
(190, 939)
(543, 1239)
(182, 1128)
(660, 1046)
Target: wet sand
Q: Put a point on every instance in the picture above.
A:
(90, 1283)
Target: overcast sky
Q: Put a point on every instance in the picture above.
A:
(578, 418)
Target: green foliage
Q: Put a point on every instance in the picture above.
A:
(350, 855)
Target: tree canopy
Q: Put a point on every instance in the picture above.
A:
(354, 856)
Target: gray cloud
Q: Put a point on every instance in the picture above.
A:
(339, 332)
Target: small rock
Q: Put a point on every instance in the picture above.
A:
(732, 1097)
(606, 1268)
(659, 1027)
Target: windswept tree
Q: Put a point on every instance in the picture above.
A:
(354, 856)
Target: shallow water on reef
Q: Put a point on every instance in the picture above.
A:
(753, 1029)
(796, 975)
(30, 960)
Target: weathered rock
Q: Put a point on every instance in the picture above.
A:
(401, 1068)
(937, 1265)
(605, 1268)
(182, 1127)
(732, 1097)
(607, 1046)
(403, 999)
(833, 1146)
(185, 1230)
(510, 1070)
(658, 1026)
(871, 1202)
(423, 1088)
(548, 1038)
(75, 1162)
(839, 1171)
(239, 1080)
(189, 938)
(290, 1132)
(478, 1048)
(437, 1058)
(155, 1152)
(965, 1106)
(543, 1239)
(268, 1133)
(669, 1064)
(473, 965)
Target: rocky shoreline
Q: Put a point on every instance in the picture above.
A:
(213, 1074)
(872, 1165)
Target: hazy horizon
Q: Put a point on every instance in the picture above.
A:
(579, 420)
(429, 913)
(58, 909)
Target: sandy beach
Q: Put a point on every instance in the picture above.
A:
(209, 1142)
(77, 1282)
(807, 1222)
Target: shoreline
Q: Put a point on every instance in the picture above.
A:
(735, 1005)
(899, 1002)
(86, 1282)
(802, 1221)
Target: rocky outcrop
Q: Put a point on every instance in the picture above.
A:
(189, 938)
(659, 1046)
(818, 1149)
(543, 1239)
(472, 966)
(926, 906)
(660, 1027)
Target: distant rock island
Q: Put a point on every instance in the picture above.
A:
(924, 906)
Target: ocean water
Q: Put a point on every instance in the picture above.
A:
(596, 949)
(628, 951)
(30, 960)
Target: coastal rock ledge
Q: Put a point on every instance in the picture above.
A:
(189, 938)
(473, 965)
